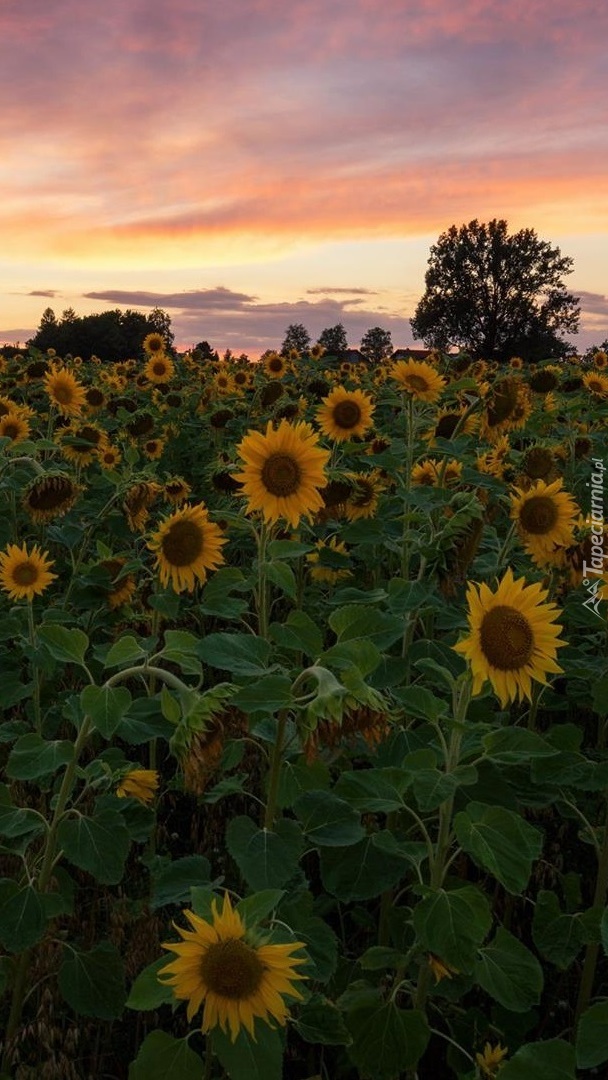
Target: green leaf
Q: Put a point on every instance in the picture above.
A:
(22, 916)
(99, 844)
(363, 870)
(147, 991)
(509, 972)
(591, 1040)
(357, 653)
(67, 645)
(510, 746)
(380, 957)
(298, 777)
(288, 549)
(551, 1060)
(241, 654)
(106, 705)
(16, 820)
(170, 706)
(374, 790)
(33, 756)
(453, 924)
(404, 596)
(500, 841)
(246, 1058)
(93, 983)
(267, 694)
(420, 702)
(171, 883)
(431, 788)
(266, 859)
(319, 939)
(126, 650)
(327, 820)
(559, 937)
(299, 632)
(604, 931)
(253, 909)
(216, 599)
(362, 621)
(319, 1022)
(281, 575)
(386, 1040)
(183, 649)
(162, 1057)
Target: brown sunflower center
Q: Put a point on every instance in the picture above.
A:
(183, 543)
(506, 638)
(416, 382)
(281, 474)
(275, 364)
(232, 969)
(538, 463)
(63, 393)
(503, 404)
(11, 429)
(50, 493)
(446, 425)
(363, 493)
(346, 414)
(94, 396)
(159, 367)
(25, 573)
(88, 435)
(155, 344)
(538, 515)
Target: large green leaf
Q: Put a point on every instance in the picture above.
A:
(22, 915)
(172, 881)
(147, 991)
(106, 705)
(93, 983)
(64, 644)
(99, 844)
(509, 972)
(250, 1059)
(328, 821)
(319, 1022)
(512, 745)
(551, 1060)
(17, 820)
(33, 756)
(500, 841)
(365, 869)
(241, 654)
(125, 651)
(559, 937)
(299, 632)
(266, 859)
(265, 695)
(453, 924)
(362, 621)
(386, 1040)
(591, 1037)
(162, 1057)
(320, 941)
(374, 790)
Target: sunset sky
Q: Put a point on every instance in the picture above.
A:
(246, 164)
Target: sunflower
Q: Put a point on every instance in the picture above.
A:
(596, 384)
(138, 500)
(177, 490)
(543, 380)
(275, 365)
(448, 421)
(363, 499)
(508, 407)
(109, 457)
(545, 517)
(320, 571)
(64, 390)
(159, 369)
(345, 413)
(121, 586)
(283, 471)
(23, 574)
(441, 969)
(153, 343)
(538, 463)
(419, 379)
(221, 964)
(317, 351)
(138, 784)
(425, 472)
(14, 427)
(600, 359)
(186, 545)
(516, 363)
(490, 1061)
(493, 462)
(512, 640)
(81, 443)
(95, 399)
(50, 496)
(153, 448)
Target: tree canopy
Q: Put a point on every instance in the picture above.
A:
(376, 344)
(296, 337)
(333, 339)
(496, 295)
(110, 335)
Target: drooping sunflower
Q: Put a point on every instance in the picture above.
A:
(159, 369)
(545, 517)
(50, 496)
(177, 490)
(81, 443)
(138, 500)
(491, 1059)
(325, 571)
(344, 414)
(283, 471)
(596, 384)
(23, 574)
(538, 463)
(543, 380)
(14, 427)
(121, 585)
(64, 390)
(221, 964)
(153, 343)
(448, 422)
(365, 491)
(512, 639)
(139, 784)
(186, 546)
(418, 378)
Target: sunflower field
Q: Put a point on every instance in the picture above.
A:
(304, 689)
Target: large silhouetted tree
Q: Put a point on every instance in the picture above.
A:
(376, 344)
(296, 337)
(333, 339)
(496, 295)
(110, 335)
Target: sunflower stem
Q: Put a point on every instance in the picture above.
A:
(505, 547)
(35, 669)
(208, 1073)
(276, 761)
(592, 951)
(262, 598)
(407, 483)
